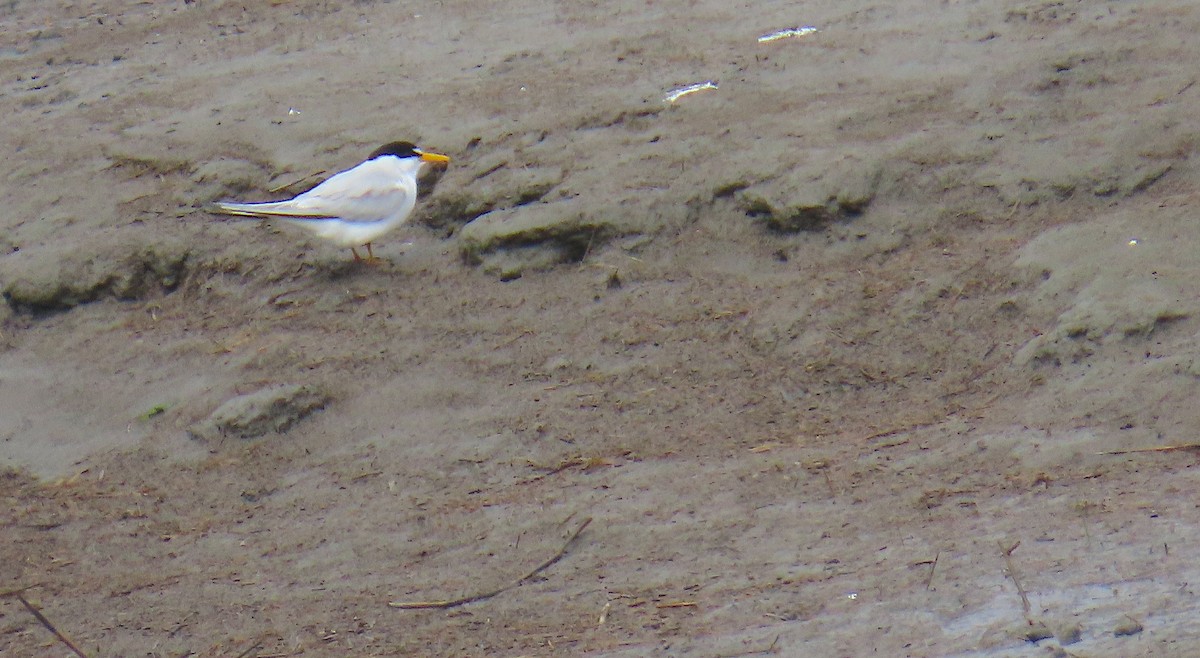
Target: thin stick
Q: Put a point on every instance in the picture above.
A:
(1012, 573)
(588, 463)
(932, 568)
(757, 652)
(11, 593)
(1016, 206)
(588, 250)
(281, 188)
(253, 647)
(454, 603)
(490, 170)
(896, 430)
(20, 596)
(823, 466)
(562, 466)
(1186, 446)
(1083, 509)
(557, 556)
(676, 604)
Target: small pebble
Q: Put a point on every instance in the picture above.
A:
(1036, 633)
(1127, 627)
(1069, 634)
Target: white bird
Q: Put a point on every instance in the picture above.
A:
(356, 206)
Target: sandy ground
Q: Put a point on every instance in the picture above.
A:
(843, 358)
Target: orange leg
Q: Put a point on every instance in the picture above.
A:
(357, 258)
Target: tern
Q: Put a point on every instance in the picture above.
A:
(356, 206)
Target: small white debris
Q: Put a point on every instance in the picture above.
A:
(293, 111)
(676, 94)
(787, 33)
(1133, 242)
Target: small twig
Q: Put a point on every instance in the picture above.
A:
(557, 556)
(676, 604)
(1012, 573)
(510, 341)
(756, 652)
(1083, 510)
(562, 466)
(588, 250)
(829, 483)
(274, 299)
(1016, 206)
(253, 647)
(12, 593)
(588, 463)
(281, 188)
(897, 430)
(20, 596)
(1186, 446)
(822, 466)
(490, 170)
(932, 568)
(454, 603)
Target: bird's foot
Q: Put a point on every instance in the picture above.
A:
(371, 258)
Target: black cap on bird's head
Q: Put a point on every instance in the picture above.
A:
(407, 150)
(398, 149)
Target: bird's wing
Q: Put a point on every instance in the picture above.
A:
(367, 193)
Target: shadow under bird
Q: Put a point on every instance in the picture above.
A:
(356, 206)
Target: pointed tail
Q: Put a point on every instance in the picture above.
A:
(269, 209)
